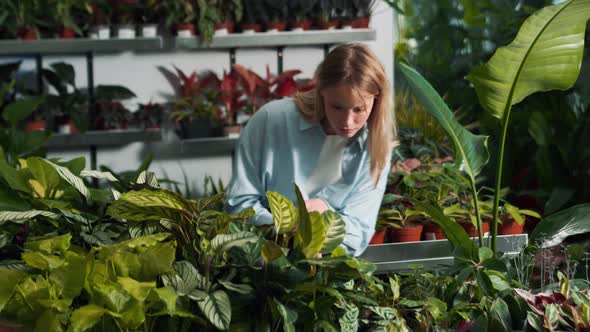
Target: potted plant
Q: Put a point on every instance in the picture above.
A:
(512, 219)
(227, 13)
(150, 115)
(67, 13)
(254, 16)
(25, 13)
(360, 16)
(100, 19)
(326, 18)
(180, 16)
(277, 15)
(301, 12)
(197, 116)
(124, 13)
(150, 15)
(233, 102)
(109, 111)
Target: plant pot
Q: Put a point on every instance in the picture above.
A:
(433, 232)
(508, 227)
(67, 128)
(410, 233)
(101, 32)
(358, 23)
(35, 126)
(185, 30)
(250, 28)
(197, 128)
(300, 26)
(472, 230)
(379, 237)
(232, 131)
(223, 28)
(67, 33)
(328, 25)
(126, 32)
(276, 27)
(27, 34)
(149, 30)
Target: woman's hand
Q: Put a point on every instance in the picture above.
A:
(316, 204)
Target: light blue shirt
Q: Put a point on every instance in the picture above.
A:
(278, 148)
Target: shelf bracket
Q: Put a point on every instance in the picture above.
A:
(280, 59)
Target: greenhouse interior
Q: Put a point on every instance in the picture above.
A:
(294, 165)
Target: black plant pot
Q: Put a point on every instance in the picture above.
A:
(198, 128)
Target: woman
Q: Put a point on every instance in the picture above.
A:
(334, 142)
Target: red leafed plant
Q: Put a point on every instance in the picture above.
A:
(231, 96)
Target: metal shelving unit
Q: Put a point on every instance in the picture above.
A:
(194, 147)
(79, 45)
(391, 257)
(103, 138)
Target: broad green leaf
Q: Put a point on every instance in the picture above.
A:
(19, 110)
(271, 251)
(552, 230)
(51, 245)
(154, 198)
(349, 321)
(122, 209)
(22, 216)
(72, 179)
(49, 321)
(485, 253)
(70, 277)
(98, 175)
(471, 151)
(303, 234)
(289, 316)
(335, 231)
(149, 178)
(44, 174)
(163, 300)
(65, 72)
(113, 295)
(42, 261)
(10, 200)
(455, 233)
(223, 242)
(10, 279)
(139, 290)
(318, 235)
(84, 318)
(14, 178)
(283, 212)
(20, 143)
(217, 308)
(545, 55)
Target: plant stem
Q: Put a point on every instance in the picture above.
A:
(477, 213)
(499, 165)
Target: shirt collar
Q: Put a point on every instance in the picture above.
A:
(359, 138)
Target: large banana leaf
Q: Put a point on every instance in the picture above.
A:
(471, 151)
(546, 54)
(552, 230)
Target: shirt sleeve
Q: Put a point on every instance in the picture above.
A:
(246, 188)
(361, 209)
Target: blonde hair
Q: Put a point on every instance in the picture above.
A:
(356, 65)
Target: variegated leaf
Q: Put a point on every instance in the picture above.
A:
(149, 178)
(72, 179)
(21, 216)
(335, 231)
(99, 175)
(217, 308)
(223, 242)
(283, 212)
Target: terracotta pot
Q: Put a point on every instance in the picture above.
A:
(250, 28)
(379, 237)
(361, 23)
(27, 34)
(185, 30)
(433, 232)
(328, 25)
(67, 33)
(227, 26)
(409, 233)
(508, 227)
(303, 25)
(35, 126)
(472, 231)
(278, 26)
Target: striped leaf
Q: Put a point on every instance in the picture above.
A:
(154, 198)
(21, 216)
(149, 178)
(335, 231)
(271, 251)
(99, 175)
(223, 242)
(217, 308)
(349, 320)
(318, 235)
(303, 234)
(288, 315)
(72, 179)
(143, 228)
(5, 239)
(127, 211)
(283, 212)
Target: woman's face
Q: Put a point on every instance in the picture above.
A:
(347, 110)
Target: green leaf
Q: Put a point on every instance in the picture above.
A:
(51, 245)
(545, 55)
(44, 174)
(485, 253)
(238, 288)
(223, 242)
(271, 251)
(10, 200)
(49, 321)
(72, 179)
(349, 320)
(318, 235)
(10, 279)
(552, 230)
(186, 279)
(155, 198)
(149, 178)
(84, 318)
(70, 277)
(19, 110)
(283, 212)
(42, 261)
(113, 92)
(303, 234)
(22, 216)
(143, 228)
(23, 143)
(99, 175)
(65, 72)
(288, 315)
(138, 290)
(335, 231)
(500, 316)
(216, 307)
(125, 210)
(14, 178)
(471, 151)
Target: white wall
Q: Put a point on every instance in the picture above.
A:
(140, 73)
